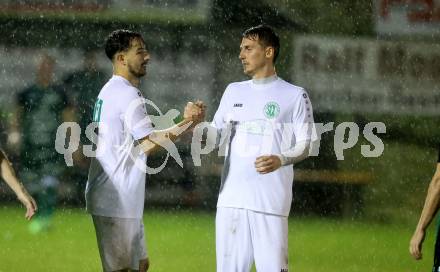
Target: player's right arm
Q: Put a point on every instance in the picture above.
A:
(194, 113)
(221, 123)
(430, 208)
(8, 174)
(131, 107)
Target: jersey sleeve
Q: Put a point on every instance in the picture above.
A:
(302, 118)
(134, 114)
(219, 121)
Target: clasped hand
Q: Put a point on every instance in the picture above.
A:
(195, 111)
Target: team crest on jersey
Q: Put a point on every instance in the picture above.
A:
(271, 110)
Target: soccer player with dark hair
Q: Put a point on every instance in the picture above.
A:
(432, 204)
(256, 190)
(115, 188)
(7, 174)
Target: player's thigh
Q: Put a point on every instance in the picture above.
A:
(121, 242)
(231, 228)
(270, 241)
(139, 255)
(233, 241)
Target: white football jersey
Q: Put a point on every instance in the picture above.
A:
(267, 118)
(116, 182)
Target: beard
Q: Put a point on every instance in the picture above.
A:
(137, 72)
(248, 71)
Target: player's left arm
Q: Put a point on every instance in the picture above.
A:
(8, 174)
(302, 128)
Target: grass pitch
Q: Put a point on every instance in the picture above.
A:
(184, 241)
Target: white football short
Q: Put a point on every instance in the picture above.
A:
(243, 236)
(121, 242)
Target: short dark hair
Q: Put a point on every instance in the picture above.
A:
(266, 36)
(120, 40)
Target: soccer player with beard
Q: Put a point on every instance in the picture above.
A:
(116, 184)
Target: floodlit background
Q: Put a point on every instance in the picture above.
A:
(360, 61)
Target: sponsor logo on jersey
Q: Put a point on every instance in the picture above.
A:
(256, 127)
(238, 105)
(271, 110)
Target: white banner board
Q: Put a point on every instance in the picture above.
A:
(366, 75)
(408, 17)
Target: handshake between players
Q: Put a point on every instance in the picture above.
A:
(195, 112)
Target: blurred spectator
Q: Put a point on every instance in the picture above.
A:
(41, 108)
(82, 87)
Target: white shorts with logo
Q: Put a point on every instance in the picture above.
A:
(121, 242)
(243, 236)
